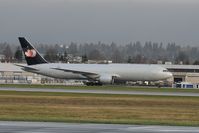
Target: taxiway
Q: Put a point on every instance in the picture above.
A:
(50, 127)
(94, 91)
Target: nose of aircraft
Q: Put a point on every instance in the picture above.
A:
(166, 74)
(169, 75)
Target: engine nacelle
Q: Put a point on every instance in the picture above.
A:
(106, 79)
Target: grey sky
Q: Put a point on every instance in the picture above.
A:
(121, 21)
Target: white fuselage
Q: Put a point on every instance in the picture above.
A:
(124, 72)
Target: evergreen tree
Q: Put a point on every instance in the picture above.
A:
(18, 55)
(84, 58)
(8, 53)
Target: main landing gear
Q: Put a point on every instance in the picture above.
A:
(93, 83)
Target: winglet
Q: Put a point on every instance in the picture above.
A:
(32, 56)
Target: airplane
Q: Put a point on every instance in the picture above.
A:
(92, 74)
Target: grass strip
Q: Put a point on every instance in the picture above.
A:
(99, 108)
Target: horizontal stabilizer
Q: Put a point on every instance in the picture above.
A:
(26, 68)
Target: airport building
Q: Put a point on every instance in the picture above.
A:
(184, 73)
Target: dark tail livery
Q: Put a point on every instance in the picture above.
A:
(32, 56)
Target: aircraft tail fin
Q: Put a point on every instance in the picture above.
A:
(32, 56)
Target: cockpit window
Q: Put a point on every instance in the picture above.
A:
(165, 70)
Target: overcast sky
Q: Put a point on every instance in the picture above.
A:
(121, 21)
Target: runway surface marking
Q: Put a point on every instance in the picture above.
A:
(50, 127)
(103, 91)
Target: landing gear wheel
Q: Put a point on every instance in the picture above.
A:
(93, 83)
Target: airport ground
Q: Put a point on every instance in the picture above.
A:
(107, 87)
(99, 108)
(54, 127)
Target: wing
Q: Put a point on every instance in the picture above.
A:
(89, 75)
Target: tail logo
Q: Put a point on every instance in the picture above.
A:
(30, 53)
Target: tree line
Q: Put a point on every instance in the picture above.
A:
(133, 52)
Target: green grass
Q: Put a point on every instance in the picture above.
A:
(99, 108)
(110, 87)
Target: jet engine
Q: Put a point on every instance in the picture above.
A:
(102, 79)
(106, 79)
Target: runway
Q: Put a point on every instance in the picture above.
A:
(50, 127)
(94, 91)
